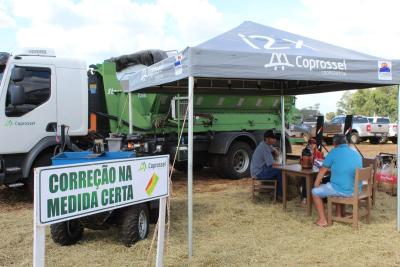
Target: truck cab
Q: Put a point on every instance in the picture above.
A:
(38, 93)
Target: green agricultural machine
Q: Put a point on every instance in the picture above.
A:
(227, 128)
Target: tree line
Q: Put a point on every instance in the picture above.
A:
(380, 101)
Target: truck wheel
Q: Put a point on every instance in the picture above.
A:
(355, 138)
(66, 233)
(41, 161)
(374, 140)
(236, 163)
(394, 140)
(135, 224)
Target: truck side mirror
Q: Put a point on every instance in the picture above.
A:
(17, 74)
(17, 95)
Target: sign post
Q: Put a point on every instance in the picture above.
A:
(67, 192)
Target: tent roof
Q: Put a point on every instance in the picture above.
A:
(256, 59)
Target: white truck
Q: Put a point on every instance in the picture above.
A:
(384, 122)
(362, 129)
(39, 93)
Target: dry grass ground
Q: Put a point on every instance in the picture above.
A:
(230, 229)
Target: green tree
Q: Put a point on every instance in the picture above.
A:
(380, 101)
(344, 104)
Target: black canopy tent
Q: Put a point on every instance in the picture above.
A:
(259, 60)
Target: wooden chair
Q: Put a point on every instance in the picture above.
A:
(264, 186)
(363, 175)
(374, 163)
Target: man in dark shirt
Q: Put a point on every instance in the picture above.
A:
(262, 161)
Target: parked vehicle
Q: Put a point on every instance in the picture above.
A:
(392, 127)
(362, 129)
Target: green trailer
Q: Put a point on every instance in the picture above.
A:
(227, 128)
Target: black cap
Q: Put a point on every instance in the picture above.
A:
(270, 134)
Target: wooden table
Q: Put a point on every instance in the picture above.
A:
(297, 171)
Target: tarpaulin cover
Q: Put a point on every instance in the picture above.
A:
(254, 57)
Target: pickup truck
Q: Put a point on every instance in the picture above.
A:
(392, 127)
(362, 130)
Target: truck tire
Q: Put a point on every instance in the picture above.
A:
(236, 163)
(66, 233)
(374, 140)
(394, 140)
(41, 161)
(135, 224)
(355, 138)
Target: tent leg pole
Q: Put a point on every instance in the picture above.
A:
(130, 113)
(398, 156)
(283, 135)
(190, 165)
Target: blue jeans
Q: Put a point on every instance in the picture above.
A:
(269, 173)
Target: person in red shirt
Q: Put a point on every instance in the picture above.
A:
(317, 155)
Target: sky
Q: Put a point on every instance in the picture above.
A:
(95, 30)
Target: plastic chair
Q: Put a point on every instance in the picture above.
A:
(264, 186)
(365, 176)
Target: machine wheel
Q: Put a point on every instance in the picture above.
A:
(236, 163)
(41, 161)
(66, 233)
(355, 138)
(135, 224)
(374, 140)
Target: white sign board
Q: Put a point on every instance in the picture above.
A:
(67, 192)
(70, 191)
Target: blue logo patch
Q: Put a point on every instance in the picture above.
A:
(385, 70)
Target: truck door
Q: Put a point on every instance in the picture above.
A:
(25, 124)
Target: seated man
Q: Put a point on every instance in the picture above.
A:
(262, 161)
(342, 162)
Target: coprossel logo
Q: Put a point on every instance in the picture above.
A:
(8, 123)
(143, 167)
(278, 60)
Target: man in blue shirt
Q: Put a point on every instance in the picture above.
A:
(262, 161)
(342, 161)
